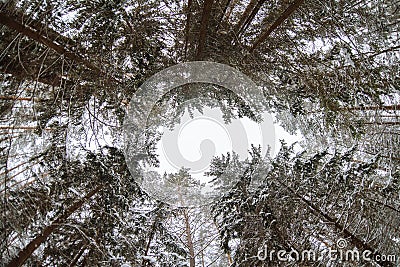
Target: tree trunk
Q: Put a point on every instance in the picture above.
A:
(17, 98)
(229, 10)
(382, 123)
(189, 238)
(24, 254)
(13, 67)
(24, 128)
(15, 25)
(293, 7)
(77, 257)
(21, 164)
(40, 27)
(245, 15)
(226, 6)
(152, 232)
(251, 17)
(187, 29)
(347, 234)
(203, 28)
(389, 107)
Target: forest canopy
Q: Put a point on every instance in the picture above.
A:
(69, 70)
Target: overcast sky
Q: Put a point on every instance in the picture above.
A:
(191, 132)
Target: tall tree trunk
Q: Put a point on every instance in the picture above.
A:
(25, 30)
(388, 107)
(228, 13)
(382, 123)
(293, 7)
(187, 27)
(245, 15)
(203, 28)
(13, 67)
(21, 164)
(329, 220)
(152, 232)
(24, 128)
(189, 238)
(25, 253)
(41, 28)
(226, 6)
(382, 203)
(78, 256)
(18, 98)
(251, 17)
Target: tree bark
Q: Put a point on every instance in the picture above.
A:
(388, 107)
(382, 123)
(251, 17)
(78, 256)
(10, 66)
(21, 164)
(226, 6)
(18, 98)
(24, 254)
(27, 31)
(24, 128)
(41, 28)
(245, 15)
(187, 29)
(153, 230)
(203, 28)
(293, 7)
(229, 10)
(188, 231)
(347, 234)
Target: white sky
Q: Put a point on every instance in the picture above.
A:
(191, 132)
